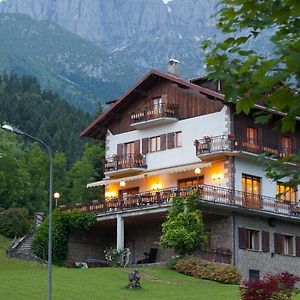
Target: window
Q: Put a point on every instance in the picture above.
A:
(286, 193)
(253, 274)
(288, 245)
(130, 191)
(253, 239)
(178, 139)
(129, 148)
(286, 146)
(157, 105)
(187, 182)
(251, 135)
(154, 143)
(250, 184)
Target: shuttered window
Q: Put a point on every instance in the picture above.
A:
(154, 144)
(178, 139)
(278, 243)
(163, 142)
(242, 238)
(265, 241)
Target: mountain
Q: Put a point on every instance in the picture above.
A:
(77, 69)
(144, 32)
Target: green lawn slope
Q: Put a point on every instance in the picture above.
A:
(26, 280)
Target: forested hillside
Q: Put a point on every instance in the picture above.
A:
(24, 166)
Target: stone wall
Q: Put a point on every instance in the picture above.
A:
(265, 262)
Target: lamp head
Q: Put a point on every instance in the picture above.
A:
(12, 129)
(56, 195)
(197, 171)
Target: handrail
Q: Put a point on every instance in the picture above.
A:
(223, 143)
(125, 162)
(207, 194)
(155, 111)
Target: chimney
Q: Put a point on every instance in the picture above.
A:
(173, 67)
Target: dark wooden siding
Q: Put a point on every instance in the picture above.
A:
(190, 104)
(267, 135)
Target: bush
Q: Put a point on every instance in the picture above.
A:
(271, 287)
(116, 257)
(14, 222)
(206, 270)
(62, 223)
(172, 261)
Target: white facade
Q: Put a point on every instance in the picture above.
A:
(193, 128)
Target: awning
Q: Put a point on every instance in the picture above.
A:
(170, 170)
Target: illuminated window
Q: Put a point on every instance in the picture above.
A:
(154, 144)
(250, 184)
(286, 146)
(251, 135)
(253, 239)
(178, 139)
(286, 193)
(288, 244)
(193, 181)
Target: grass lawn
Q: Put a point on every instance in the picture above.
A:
(26, 280)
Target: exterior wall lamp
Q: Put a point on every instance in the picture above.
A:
(122, 183)
(217, 176)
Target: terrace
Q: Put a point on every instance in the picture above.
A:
(217, 146)
(158, 114)
(125, 164)
(207, 195)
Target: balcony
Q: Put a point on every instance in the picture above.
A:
(210, 148)
(208, 195)
(163, 113)
(124, 165)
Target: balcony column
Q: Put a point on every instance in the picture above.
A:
(120, 232)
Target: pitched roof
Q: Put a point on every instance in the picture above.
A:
(97, 127)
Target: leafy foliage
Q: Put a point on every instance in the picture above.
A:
(251, 77)
(14, 222)
(61, 226)
(206, 270)
(183, 228)
(271, 287)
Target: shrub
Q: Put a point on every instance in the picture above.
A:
(14, 222)
(116, 257)
(183, 229)
(271, 287)
(206, 270)
(62, 223)
(172, 261)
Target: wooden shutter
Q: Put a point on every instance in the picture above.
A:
(120, 148)
(265, 241)
(297, 246)
(278, 243)
(243, 244)
(170, 140)
(145, 145)
(137, 149)
(163, 141)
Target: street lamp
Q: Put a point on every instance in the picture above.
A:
(197, 172)
(56, 196)
(20, 132)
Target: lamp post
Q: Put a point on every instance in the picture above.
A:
(20, 132)
(56, 196)
(197, 172)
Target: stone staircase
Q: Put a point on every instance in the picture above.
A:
(21, 248)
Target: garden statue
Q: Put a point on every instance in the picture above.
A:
(134, 280)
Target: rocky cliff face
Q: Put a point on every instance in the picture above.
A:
(146, 32)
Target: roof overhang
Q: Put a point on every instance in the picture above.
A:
(171, 170)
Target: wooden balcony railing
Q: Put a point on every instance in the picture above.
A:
(207, 194)
(154, 112)
(125, 162)
(224, 143)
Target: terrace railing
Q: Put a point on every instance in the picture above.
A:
(224, 143)
(129, 161)
(156, 111)
(207, 194)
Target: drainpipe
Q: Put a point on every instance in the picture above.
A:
(234, 256)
